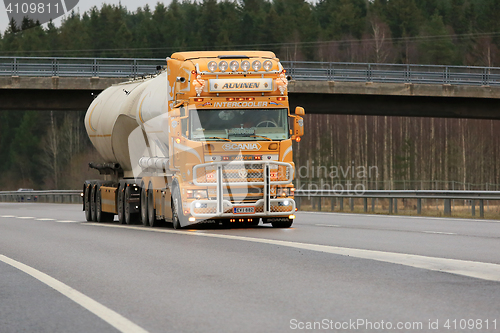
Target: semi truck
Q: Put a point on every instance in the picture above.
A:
(205, 139)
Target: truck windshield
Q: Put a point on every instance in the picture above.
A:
(240, 125)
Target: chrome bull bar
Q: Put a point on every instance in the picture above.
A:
(225, 208)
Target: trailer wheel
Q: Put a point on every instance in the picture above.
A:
(93, 212)
(152, 220)
(177, 214)
(120, 198)
(144, 206)
(86, 202)
(129, 217)
(100, 215)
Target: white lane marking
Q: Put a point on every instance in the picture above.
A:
(327, 225)
(7, 216)
(116, 320)
(45, 219)
(401, 216)
(25, 217)
(480, 270)
(67, 221)
(439, 232)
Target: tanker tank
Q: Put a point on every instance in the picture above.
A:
(119, 110)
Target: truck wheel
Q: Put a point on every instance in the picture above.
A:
(152, 220)
(86, 201)
(282, 224)
(144, 206)
(93, 215)
(177, 213)
(100, 215)
(121, 197)
(130, 218)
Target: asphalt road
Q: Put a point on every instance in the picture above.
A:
(331, 272)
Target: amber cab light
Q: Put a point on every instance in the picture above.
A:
(298, 139)
(198, 99)
(281, 98)
(230, 99)
(177, 140)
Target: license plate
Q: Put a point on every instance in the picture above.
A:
(244, 210)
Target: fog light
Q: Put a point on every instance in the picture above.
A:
(291, 217)
(192, 219)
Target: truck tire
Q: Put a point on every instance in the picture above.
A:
(152, 220)
(100, 215)
(177, 213)
(144, 206)
(93, 215)
(129, 217)
(86, 202)
(120, 197)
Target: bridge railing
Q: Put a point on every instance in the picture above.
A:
(393, 73)
(78, 67)
(299, 70)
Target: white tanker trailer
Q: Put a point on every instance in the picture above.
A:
(173, 142)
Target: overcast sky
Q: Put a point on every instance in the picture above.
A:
(83, 6)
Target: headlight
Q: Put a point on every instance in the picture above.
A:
(223, 66)
(245, 65)
(268, 65)
(234, 65)
(284, 192)
(256, 65)
(197, 194)
(212, 66)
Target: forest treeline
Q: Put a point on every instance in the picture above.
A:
(458, 32)
(47, 150)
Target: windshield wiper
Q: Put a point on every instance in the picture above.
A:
(216, 137)
(260, 136)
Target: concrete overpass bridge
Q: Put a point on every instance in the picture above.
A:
(322, 88)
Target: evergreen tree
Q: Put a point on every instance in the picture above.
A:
(439, 49)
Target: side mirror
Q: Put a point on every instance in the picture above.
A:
(299, 111)
(298, 127)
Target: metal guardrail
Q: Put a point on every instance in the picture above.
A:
(78, 67)
(299, 70)
(317, 197)
(55, 196)
(393, 73)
